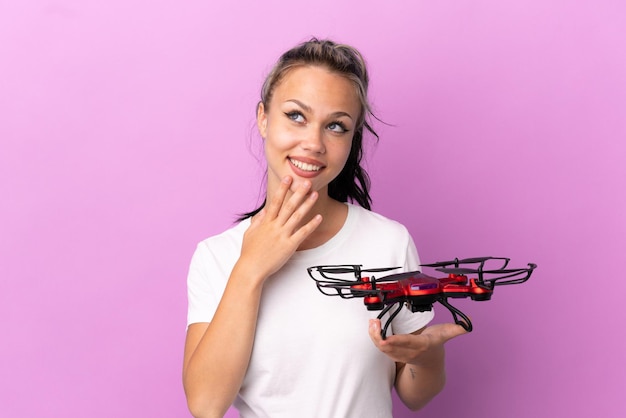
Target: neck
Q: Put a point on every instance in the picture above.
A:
(334, 215)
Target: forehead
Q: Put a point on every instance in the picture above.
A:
(318, 87)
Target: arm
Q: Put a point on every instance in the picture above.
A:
(419, 360)
(217, 354)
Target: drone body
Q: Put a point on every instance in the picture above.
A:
(417, 290)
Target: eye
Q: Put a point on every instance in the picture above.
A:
(295, 116)
(338, 127)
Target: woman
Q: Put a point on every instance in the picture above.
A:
(260, 335)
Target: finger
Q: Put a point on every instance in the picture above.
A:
(374, 332)
(390, 342)
(307, 229)
(385, 346)
(301, 211)
(401, 340)
(294, 202)
(275, 203)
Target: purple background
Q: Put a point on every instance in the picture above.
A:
(127, 136)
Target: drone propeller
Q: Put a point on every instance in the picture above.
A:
(458, 270)
(456, 262)
(465, 270)
(351, 269)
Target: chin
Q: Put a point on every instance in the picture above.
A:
(315, 185)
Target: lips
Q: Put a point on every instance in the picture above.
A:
(306, 168)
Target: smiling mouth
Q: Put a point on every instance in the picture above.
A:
(305, 166)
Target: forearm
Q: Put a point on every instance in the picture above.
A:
(417, 384)
(214, 370)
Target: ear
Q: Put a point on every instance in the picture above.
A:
(261, 119)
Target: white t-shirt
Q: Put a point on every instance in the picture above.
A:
(312, 354)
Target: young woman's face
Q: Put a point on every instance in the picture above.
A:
(308, 127)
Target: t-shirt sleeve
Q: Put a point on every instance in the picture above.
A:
(407, 322)
(205, 285)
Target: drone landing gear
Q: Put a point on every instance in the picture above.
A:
(465, 322)
(459, 317)
(383, 331)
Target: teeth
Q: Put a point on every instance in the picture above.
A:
(305, 166)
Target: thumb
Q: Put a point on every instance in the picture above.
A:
(446, 331)
(450, 331)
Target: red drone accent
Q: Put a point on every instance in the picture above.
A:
(417, 290)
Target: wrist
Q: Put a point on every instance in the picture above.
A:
(433, 357)
(247, 274)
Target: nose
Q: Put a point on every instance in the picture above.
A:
(313, 140)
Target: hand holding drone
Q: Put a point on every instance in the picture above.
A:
(417, 290)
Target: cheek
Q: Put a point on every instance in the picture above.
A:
(271, 144)
(279, 136)
(342, 153)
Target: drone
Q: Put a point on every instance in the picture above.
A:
(417, 290)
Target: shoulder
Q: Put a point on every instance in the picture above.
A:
(226, 242)
(378, 223)
(215, 256)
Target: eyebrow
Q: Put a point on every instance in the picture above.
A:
(308, 109)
